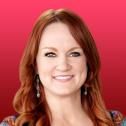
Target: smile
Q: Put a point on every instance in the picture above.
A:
(63, 78)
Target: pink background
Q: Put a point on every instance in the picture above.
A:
(105, 19)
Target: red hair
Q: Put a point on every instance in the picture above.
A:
(36, 111)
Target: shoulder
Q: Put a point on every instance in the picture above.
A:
(8, 121)
(118, 118)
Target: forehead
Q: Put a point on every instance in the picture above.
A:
(57, 34)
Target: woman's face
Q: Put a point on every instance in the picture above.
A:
(61, 63)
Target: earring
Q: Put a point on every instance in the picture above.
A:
(37, 86)
(85, 91)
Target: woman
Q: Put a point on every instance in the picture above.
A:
(59, 74)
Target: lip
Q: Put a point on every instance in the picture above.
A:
(63, 80)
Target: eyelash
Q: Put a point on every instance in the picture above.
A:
(51, 54)
(76, 54)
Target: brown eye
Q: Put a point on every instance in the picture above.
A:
(50, 54)
(75, 54)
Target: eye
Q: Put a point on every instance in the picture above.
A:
(50, 54)
(75, 54)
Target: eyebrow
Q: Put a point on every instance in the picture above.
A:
(52, 48)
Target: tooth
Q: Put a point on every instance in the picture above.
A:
(63, 77)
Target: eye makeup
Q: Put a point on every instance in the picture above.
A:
(50, 54)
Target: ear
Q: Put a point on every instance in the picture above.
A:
(36, 68)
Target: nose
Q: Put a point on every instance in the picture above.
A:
(63, 64)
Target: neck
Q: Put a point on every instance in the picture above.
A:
(65, 106)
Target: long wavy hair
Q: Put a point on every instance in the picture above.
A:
(35, 111)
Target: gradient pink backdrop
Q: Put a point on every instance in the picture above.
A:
(105, 19)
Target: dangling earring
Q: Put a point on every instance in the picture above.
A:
(37, 86)
(85, 90)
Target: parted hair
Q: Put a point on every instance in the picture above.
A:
(35, 111)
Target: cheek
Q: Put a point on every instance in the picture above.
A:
(44, 71)
(81, 66)
(44, 67)
(83, 73)
(84, 67)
